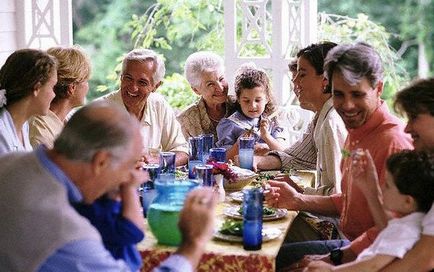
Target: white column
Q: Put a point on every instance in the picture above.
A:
(43, 23)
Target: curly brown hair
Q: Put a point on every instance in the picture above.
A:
(249, 78)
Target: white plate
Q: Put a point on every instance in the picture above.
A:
(236, 196)
(233, 212)
(268, 234)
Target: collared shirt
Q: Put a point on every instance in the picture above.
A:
(383, 134)
(397, 238)
(195, 121)
(9, 141)
(159, 127)
(44, 129)
(302, 155)
(231, 128)
(90, 255)
(329, 136)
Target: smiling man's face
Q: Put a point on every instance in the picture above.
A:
(137, 83)
(355, 104)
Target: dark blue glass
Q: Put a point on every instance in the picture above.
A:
(167, 166)
(252, 218)
(204, 175)
(195, 155)
(218, 154)
(208, 143)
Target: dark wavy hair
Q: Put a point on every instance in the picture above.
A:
(249, 78)
(413, 174)
(416, 98)
(315, 54)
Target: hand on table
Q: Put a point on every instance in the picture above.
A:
(320, 261)
(319, 266)
(281, 195)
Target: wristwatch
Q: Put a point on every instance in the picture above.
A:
(336, 256)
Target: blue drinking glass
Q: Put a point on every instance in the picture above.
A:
(245, 153)
(148, 192)
(208, 143)
(167, 166)
(217, 154)
(204, 175)
(195, 155)
(252, 218)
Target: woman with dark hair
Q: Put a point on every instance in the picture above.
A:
(26, 89)
(328, 131)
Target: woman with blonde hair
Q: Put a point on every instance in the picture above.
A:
(72, 86)
(26, 89)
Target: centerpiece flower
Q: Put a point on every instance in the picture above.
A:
(224, 169)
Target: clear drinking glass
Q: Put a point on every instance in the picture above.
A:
(245, 153)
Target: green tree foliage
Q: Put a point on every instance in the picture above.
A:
(343, 29)
(178, 28)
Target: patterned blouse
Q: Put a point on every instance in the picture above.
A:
(195, 121)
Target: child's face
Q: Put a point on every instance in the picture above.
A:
(253, 101)
(393, 200)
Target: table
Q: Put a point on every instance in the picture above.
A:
(222, 255)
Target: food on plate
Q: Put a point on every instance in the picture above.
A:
(232, 227)
(266, 211)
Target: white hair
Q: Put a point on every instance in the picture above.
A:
(199, 62)
(146, 55)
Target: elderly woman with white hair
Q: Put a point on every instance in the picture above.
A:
(205, 73)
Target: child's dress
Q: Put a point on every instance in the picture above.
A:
(231, 128)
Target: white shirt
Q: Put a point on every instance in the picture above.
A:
(159, 127)
(428, 222)
(397, 238)
(329, 136)
(9, 141)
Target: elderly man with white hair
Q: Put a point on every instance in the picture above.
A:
(142, 73)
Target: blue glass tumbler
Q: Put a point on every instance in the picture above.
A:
(195, 155)
(204, 175)
(252, 218)
(167, 166)
(148, 192)
(245, 153)
(217, 154)
(208, 143)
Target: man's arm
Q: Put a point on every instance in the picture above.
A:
(269, 162)
(372, 264)
(282, 195)
(419, 258)
(181, 158)
(83, 255)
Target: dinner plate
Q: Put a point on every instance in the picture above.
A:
(232, 211)
(268, 234)
(236, 196)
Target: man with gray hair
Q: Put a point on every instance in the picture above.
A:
(142, 73)
(205, 72)
(40, 229)
(355, 73)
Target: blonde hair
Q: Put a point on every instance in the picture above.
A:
(73, 67)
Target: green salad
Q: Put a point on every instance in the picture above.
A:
(265, 211)
(232, 227)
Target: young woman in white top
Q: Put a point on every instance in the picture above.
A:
(26, 88)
